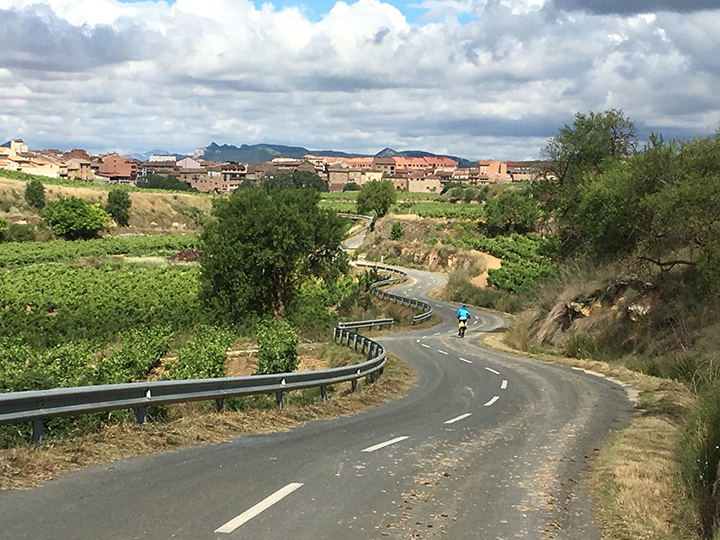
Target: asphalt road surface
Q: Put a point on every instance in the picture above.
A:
(486, 445)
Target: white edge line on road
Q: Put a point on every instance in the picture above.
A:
(386, 443)
(424, 345)
(503, 386)
(491, 370)
(458, 418)
(442, 352)
(263, 505)
(493, 400)
(466, 361)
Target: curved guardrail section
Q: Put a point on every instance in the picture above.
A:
(375, 289)
(40, 405)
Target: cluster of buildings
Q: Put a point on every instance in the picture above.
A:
(414, 174)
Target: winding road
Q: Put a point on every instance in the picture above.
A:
(486, 445)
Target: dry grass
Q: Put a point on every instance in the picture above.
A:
(195, 424)
(634, 475)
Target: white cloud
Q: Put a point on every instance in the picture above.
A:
(106, 74)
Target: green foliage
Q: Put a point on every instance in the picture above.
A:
(64, 251)
(296, 180)
(699, 454)
(277, 344)
(512, 212)
(262, 246)
(118, 206)
(460, 290)
(351, 186)
(441, 210)
(205, 356)
(141, 351)
(50, 304)
(310, 309)
(35, 193)
(20, 232)
(75, 219)
(165, 183)
(376, 196)
(4, 226)
(397, 231)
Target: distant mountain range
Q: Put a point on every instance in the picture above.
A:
(256, 153)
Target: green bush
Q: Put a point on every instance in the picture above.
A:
(75, 219)
(35, 193)
(140, 351)
(699, 453)
(118, 206)
(397, 231)
(4, 226)
(277, 344)
(205, 356)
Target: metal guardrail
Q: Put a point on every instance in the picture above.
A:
(37, 406)
(375, 289)
(367, 324)
(40, 405)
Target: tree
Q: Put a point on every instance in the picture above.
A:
(75, 219)
(351, 186)
(512, 211)
(118, 206)
(297, 180)
(376, 196)
(158, 181)
(261, 246)
(35, 193)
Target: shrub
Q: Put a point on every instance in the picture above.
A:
(20, 232)
(75, 219)
(4, 226)
(35, 193)
(118, 206)
(397, 231)
(277, 343)
(140, 352)
(205, 356)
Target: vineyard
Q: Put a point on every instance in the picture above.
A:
(24, 253)
(523, 265)
(426, 209)
(48, 304)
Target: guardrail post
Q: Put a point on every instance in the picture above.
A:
(355, 337)
(353, 385)
(335, 330)
(324, 392)
(219, 404)
(37, 431)
(280, 398)
(140, 413)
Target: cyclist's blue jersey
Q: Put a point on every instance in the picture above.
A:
(463, 314)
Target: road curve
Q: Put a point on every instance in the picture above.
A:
(485, 445)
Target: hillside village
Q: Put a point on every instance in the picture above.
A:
(412, 174)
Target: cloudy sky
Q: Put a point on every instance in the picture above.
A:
(473, 78)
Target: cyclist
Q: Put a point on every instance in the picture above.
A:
(463, 316)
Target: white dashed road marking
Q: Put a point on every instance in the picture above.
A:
(493, 371)
(458, 418)
(493, 400)
(263, 505)
(383, 445)
(503, 386)
(441, 352)
(466, 361)
(426, 346)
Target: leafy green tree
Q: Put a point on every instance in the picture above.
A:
(35, 193)
(118, 206)
(297, 180)
(351, 186)
(397, 231)
(262, 246)
(277, 348)
(471, 194)
(75, 219)
(457, 193)
(376, 196)
(512, 212)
